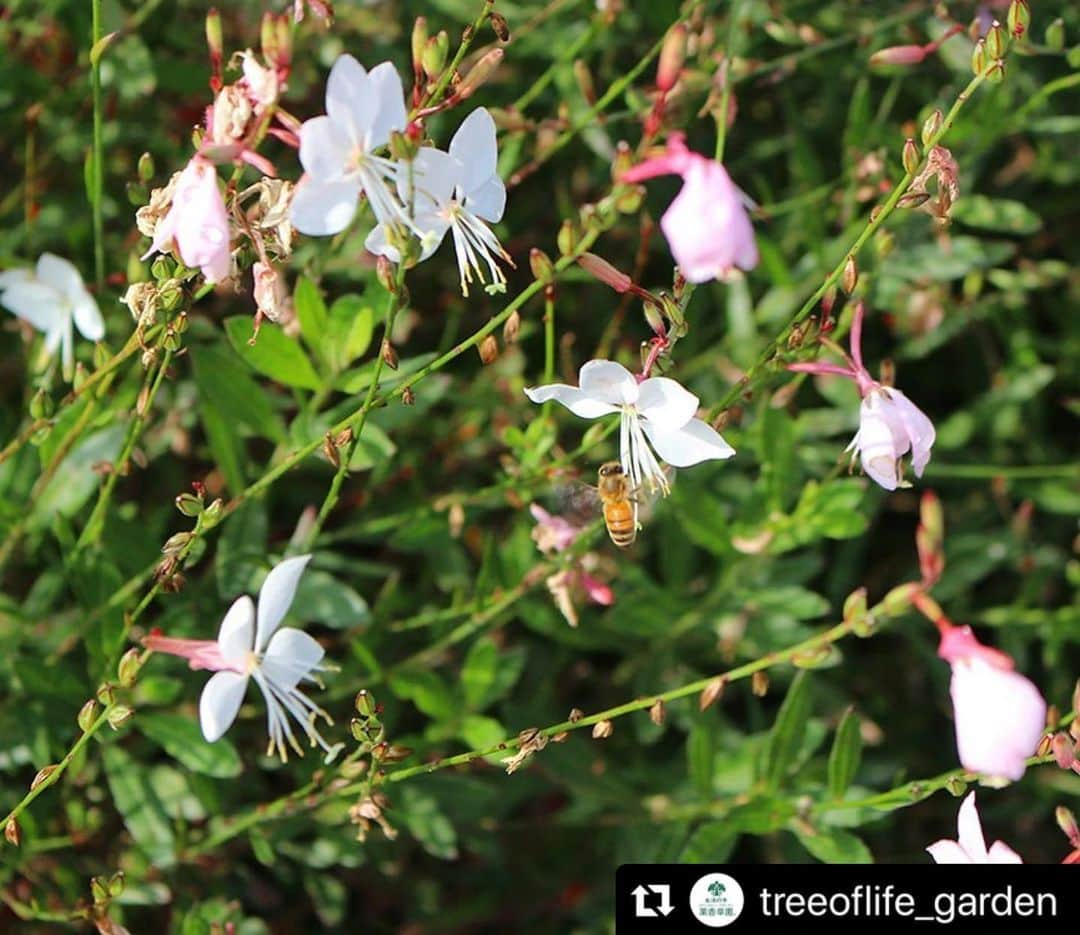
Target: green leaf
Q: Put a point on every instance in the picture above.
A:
(710, 843)
(480, 732)
(330, 602)
(274, 354)
(224, 381)
(224, 445)
(420, 813)
(350, 329)
(311, 313)
(996, 214)
(834, 846)
(427, 691)
(143, 812)
(845, 754)
(701, 757)
(329, 896)
(182, 739)
(373, 447)
(479, 671)
(787, 732)
(241, 549)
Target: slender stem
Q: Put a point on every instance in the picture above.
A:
(95, 525)
(725, 97)
(97, 187)
(1008, 472)
(436, 94)
(568, 54)
(549, 335)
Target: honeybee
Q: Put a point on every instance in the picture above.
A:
(618, 504)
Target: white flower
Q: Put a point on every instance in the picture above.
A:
(456, 191)
(247, 647)
(890, 425)
(971, 846)
(337, 150)
(52, 299)
(657, 409)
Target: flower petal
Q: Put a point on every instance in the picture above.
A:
(572, 398)
(350, 103)
(475, 147)
(608, 382)
(33, 302)
(219, 703)
(390, 113)
(948, 852)
(290, 656)
(1001, 853)
(324, 148)
(691, 444)
(970, 835)
(276, 595)
(88, 318)
(320, 209)
(435, 174)
(919, 429)
(666, 403)
(61, 274)
(236, 636)
(489, 200)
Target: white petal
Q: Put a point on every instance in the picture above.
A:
(691, 444)
(67, 348)
(377, 242)
(88, 318)
(276, 595)
(572, 398)
(876, 444)
(1001, 853)
(970, 835)
(40, 305)
(390, 113)
(220, 702)
(320, 209)
(608, 382)
(948, 852)
(236, 636)
(435, 174)
(61, 274)
(474, 146)
(11, 277)
(665, 403)
(290, 656)
(350, 103)
(489, 200)
(324, 148)
(919, 428)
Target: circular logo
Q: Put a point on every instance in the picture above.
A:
(716, 900)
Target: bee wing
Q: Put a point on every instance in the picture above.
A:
(647, 500)
(577, 501)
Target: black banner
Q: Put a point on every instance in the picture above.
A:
(994, 899)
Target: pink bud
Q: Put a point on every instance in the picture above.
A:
(899, 55)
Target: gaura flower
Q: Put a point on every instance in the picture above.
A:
(657, 409)
(553, 534)
(456, 191)
(706, 225)
(52, 299)
(197, 222)
(890, 424)
(970, 848)
(250, 646)
(337, 150)
(999, 714)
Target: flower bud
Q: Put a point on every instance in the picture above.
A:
(1063, 749)
(41, 405)
(176, 543)
(996, 74)
(365, 703)
(995, 41)
(87, 715)
(116, 883)
(119, 716)
(189, 504)
(408, 397)
(898, 601)
(931, 127)
(478, 74)
(146, 167)
(42, 774)
(402, 147)
(214, 40)
(711, 693)
(567, 238)
(913, 199)
(584, 80)
(672, 58)
(1054, 37)
(488, 349)
(104, 693)
(384, 272)
(511, 327)
(389, 355)
(1066, 821)
(12, 832)
(435, 52)
(419, 43)
(268, 36)
(898, 55)
(978, 57)
(99, 890)
(759, 683)
(910, 157)
(850, 277)
(1018, 19)
(657, 713)
(283, 52)
(330, 452)
(855, 606)
(602, 270)
(128, 668)
(499, 26)
(602, 730)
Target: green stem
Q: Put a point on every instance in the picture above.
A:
(97, 186)
(436, 94)
(568, 54)
(725, 98)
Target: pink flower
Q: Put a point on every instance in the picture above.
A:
(890, 424)
(197, 222)
(551, 533)
(706, 226)
(971, 846)
(999, 714)
(554, 534)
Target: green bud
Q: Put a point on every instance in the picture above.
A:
(402, 148)
(995, 41)
(996, 74)
(176, 543)
(116, 883)
(41, 405)
(1054, 36)
(99, 889)
(898, 600)
(189, 504)
(214, 39)
(365, 703)
(1018, 19)
(87, 715)
(180, 325)
(567, 238)
(628, 200)
(435, 52)
(105, 693)
(80, 376)
(161, 269)
(855, 606)
(128, 669)
(170, 297)
(978, 57)
(956, 786)
(931, 126)
(136, 194)
(910, 158)
(213, 513)
(540, 264)
(171, 341)
(119, 716)
(146, 167)
(419, 42)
